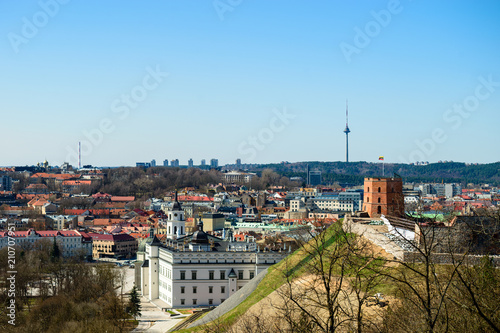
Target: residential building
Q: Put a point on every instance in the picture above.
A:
(355, 196)
(214, 163)
(5, 183)
(115, 245)
(451, 190)
(165, 162)
(71, 242)
(213, 221)
(60, 222)
(190, 163)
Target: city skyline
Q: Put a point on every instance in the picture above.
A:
(257, 81)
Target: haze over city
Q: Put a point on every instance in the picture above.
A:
(257, 80)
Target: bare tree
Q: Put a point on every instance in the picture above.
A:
(326, 291)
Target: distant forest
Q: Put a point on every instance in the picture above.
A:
(353, 173)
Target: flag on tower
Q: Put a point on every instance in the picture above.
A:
(381, 158)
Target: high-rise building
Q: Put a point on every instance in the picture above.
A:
(190, 163)
(5, 183)
(214, 163)
(153, 163)
(314, 178)
(165, 162)
(203, 162)
(174, 163)
(238, 163)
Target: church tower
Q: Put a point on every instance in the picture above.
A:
(176, 225)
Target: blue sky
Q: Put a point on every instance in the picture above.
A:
(264, 81)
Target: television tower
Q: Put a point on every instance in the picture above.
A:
(346, 131)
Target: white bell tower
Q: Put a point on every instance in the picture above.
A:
(176, 225)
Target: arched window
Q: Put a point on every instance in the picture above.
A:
(368, 190)
(379, 210)
(379, 189)
(378, 200)
(367, 199)
(175, 230)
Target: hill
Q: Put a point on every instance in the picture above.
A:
(353, 173)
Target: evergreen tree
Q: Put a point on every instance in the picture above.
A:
(55, 253)
(134, 303)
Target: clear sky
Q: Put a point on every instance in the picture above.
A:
(264, 81)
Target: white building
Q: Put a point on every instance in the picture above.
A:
(60, 222)
(197, 269)
(71, 242)
(238, 177)
(332, 203)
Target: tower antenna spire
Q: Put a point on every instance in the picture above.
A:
(346, 113)
(346, 131)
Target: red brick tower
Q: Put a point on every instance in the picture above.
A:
(383, 196)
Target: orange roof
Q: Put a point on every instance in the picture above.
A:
(54, 175)
(76, 182)
(122, 198)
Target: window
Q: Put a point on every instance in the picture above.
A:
(223, 290)
(193, 275)
(379, 189)
(240, 275)
(222, 275)
(183, 301)
(211, 275)
(378, 200)
(210, 289)
(210, 301)
(379, 210)
(183, 275)
(183, 289)
(252, 274)
(367, 199)
(195, 290)
(368, 190)
(194, 301)
(222, 300)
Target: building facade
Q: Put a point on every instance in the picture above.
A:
(115, 245)
(383, 196)
(198, 269)
(70, 242)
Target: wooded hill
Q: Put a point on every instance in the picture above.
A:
(353, 173)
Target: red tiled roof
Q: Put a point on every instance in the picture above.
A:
(122, 199)
(76, 182)
(55, 175)
(194, 198)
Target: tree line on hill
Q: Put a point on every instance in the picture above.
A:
(354, 172)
